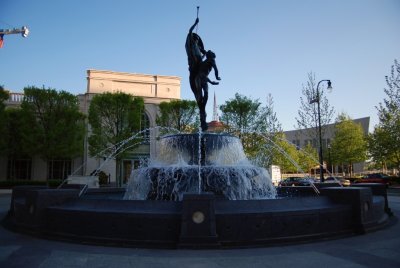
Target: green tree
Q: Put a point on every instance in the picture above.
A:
(259, 129)
(284, 154)
(3, 97)
(349, 145)
(379, 148)
(113, 118)
(51, 125)
(268, 121)
(308, 112)
(272, 134)
(241, 115)
(56, 126)
(16, 128)
(386, 136)
(179, 114)
(308, 158)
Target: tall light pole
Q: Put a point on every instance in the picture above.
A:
(330, 160)
(317, 100)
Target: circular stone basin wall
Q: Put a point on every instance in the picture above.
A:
(199, 221)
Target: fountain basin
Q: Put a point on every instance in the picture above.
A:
(199, 221)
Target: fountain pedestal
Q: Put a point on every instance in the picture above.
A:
(198, 228)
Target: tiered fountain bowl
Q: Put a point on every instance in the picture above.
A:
(179, 168)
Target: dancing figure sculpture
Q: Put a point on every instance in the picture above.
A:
(199, 70)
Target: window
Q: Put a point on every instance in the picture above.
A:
(19, 169)
(314, 143)
(58, 169)
(145, 126)
(297, 143)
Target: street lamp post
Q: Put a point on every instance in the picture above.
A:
(317, 100)
(329, 158)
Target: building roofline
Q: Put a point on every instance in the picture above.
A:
(130, 74)
(332, 124)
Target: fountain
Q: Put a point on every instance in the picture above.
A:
(166, 205)
(226, 172)
(200, 191)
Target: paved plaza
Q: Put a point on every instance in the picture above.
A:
(376, 249)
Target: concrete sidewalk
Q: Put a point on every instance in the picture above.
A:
(377, 249)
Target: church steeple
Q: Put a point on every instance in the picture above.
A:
(215, 110)
(215, 125)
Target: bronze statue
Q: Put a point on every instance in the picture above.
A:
(199, 70)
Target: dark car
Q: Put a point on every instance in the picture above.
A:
(296, 181)
(375, 178)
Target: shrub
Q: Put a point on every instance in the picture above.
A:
(103, 178)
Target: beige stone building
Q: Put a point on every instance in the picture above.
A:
(154, 89)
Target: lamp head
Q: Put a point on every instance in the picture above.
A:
(25, 31)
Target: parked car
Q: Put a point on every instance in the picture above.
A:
(375, 178)
(341, 180)
(296, 181)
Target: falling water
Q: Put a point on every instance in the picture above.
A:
(199, 157)
(226, 171)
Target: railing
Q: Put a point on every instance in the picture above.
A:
(16, 97)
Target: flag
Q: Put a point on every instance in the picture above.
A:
(1, 40)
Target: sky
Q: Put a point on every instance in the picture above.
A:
(262, 46)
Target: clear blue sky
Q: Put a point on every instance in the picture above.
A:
(261, 46)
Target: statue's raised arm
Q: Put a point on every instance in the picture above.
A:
(194, 48)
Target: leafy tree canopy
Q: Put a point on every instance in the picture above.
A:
(55, 124)
(4, 95)
(15, 129)
(349, 144)
(259, 129)
(240, 114)
(384, 143)
(178, 114)
(113, 117)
